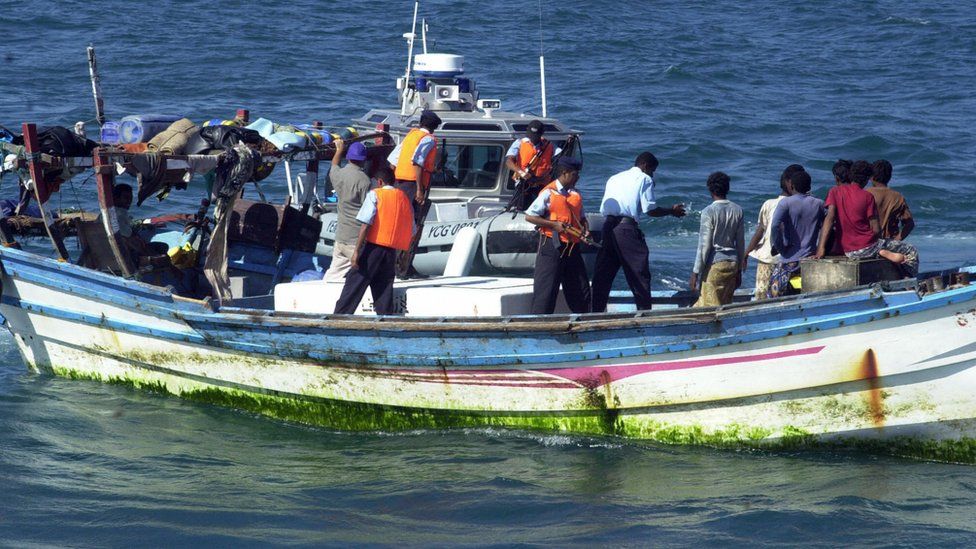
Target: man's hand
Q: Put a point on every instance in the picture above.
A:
(558, 227)
(821, 252)
(678, 210)
(419, 197)
(693, 282)
(340, 146)
(354, 260)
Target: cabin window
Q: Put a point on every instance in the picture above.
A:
(550, 128)
(471, 127)
(468, 166)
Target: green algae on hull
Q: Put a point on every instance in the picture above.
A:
(355, 416)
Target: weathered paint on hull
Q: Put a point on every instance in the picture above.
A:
(893, 416)
(864, 381)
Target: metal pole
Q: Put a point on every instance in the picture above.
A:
(96, 87)
(41, 191)
(542, 78)
(311, 181)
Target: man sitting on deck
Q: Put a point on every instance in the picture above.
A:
(796, 225)
(387, 218)
(857, 224)
(892, 208)
(132, 244)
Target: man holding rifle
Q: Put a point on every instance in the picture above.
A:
(558, 213)
(530, 160)
(413, 162)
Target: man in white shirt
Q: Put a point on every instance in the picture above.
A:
(628, 194)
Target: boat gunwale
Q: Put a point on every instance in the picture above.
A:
(192, 310)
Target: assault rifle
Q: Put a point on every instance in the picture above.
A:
(577, 233)
(521, 182)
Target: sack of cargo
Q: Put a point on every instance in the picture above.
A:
(175, 138)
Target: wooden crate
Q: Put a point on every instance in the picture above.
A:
(839, 273)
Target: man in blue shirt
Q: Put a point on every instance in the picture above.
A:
(795, 225)
(628, 194)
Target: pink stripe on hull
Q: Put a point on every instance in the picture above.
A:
(594, 376)
(570, 378)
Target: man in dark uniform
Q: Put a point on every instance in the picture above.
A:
(627, 195)
(558, 212)
(387, 226)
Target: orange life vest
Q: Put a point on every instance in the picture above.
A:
(405, 165)
(393, 224)
(543, 166)
(567, 210)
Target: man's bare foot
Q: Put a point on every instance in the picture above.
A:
(893, 257)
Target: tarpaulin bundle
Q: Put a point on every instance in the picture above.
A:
(236, 170)
(62, 142)
(221, 138)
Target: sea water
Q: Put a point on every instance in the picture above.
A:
(742, 87)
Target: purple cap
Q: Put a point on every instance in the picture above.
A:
(357, 152)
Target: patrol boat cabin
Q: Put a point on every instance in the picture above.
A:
(472, 186)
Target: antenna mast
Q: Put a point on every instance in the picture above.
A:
(542, 65)
(410, 36)
(423, 34)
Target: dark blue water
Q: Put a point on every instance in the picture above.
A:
(742, 87)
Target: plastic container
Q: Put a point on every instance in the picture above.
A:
(140, 128)
(111, 132)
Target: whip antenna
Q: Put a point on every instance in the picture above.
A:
(410, 36)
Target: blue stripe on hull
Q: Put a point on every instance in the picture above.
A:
(482, 343)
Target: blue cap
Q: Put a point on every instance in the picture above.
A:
(568, 163)
(357, 152)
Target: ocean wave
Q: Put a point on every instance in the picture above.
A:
(894, 19)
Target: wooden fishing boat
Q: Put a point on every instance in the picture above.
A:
(888, 367)
(878, 368)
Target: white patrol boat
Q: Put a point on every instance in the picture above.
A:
(472, 186)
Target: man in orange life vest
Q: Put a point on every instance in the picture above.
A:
(558, 211)
(521, 154)
(415, 158)
(387, 218)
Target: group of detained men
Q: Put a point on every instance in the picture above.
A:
(855, 222)
(793, 226)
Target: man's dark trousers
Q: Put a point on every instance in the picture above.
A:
(377, 268)
(623, 246)
(554, 267)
